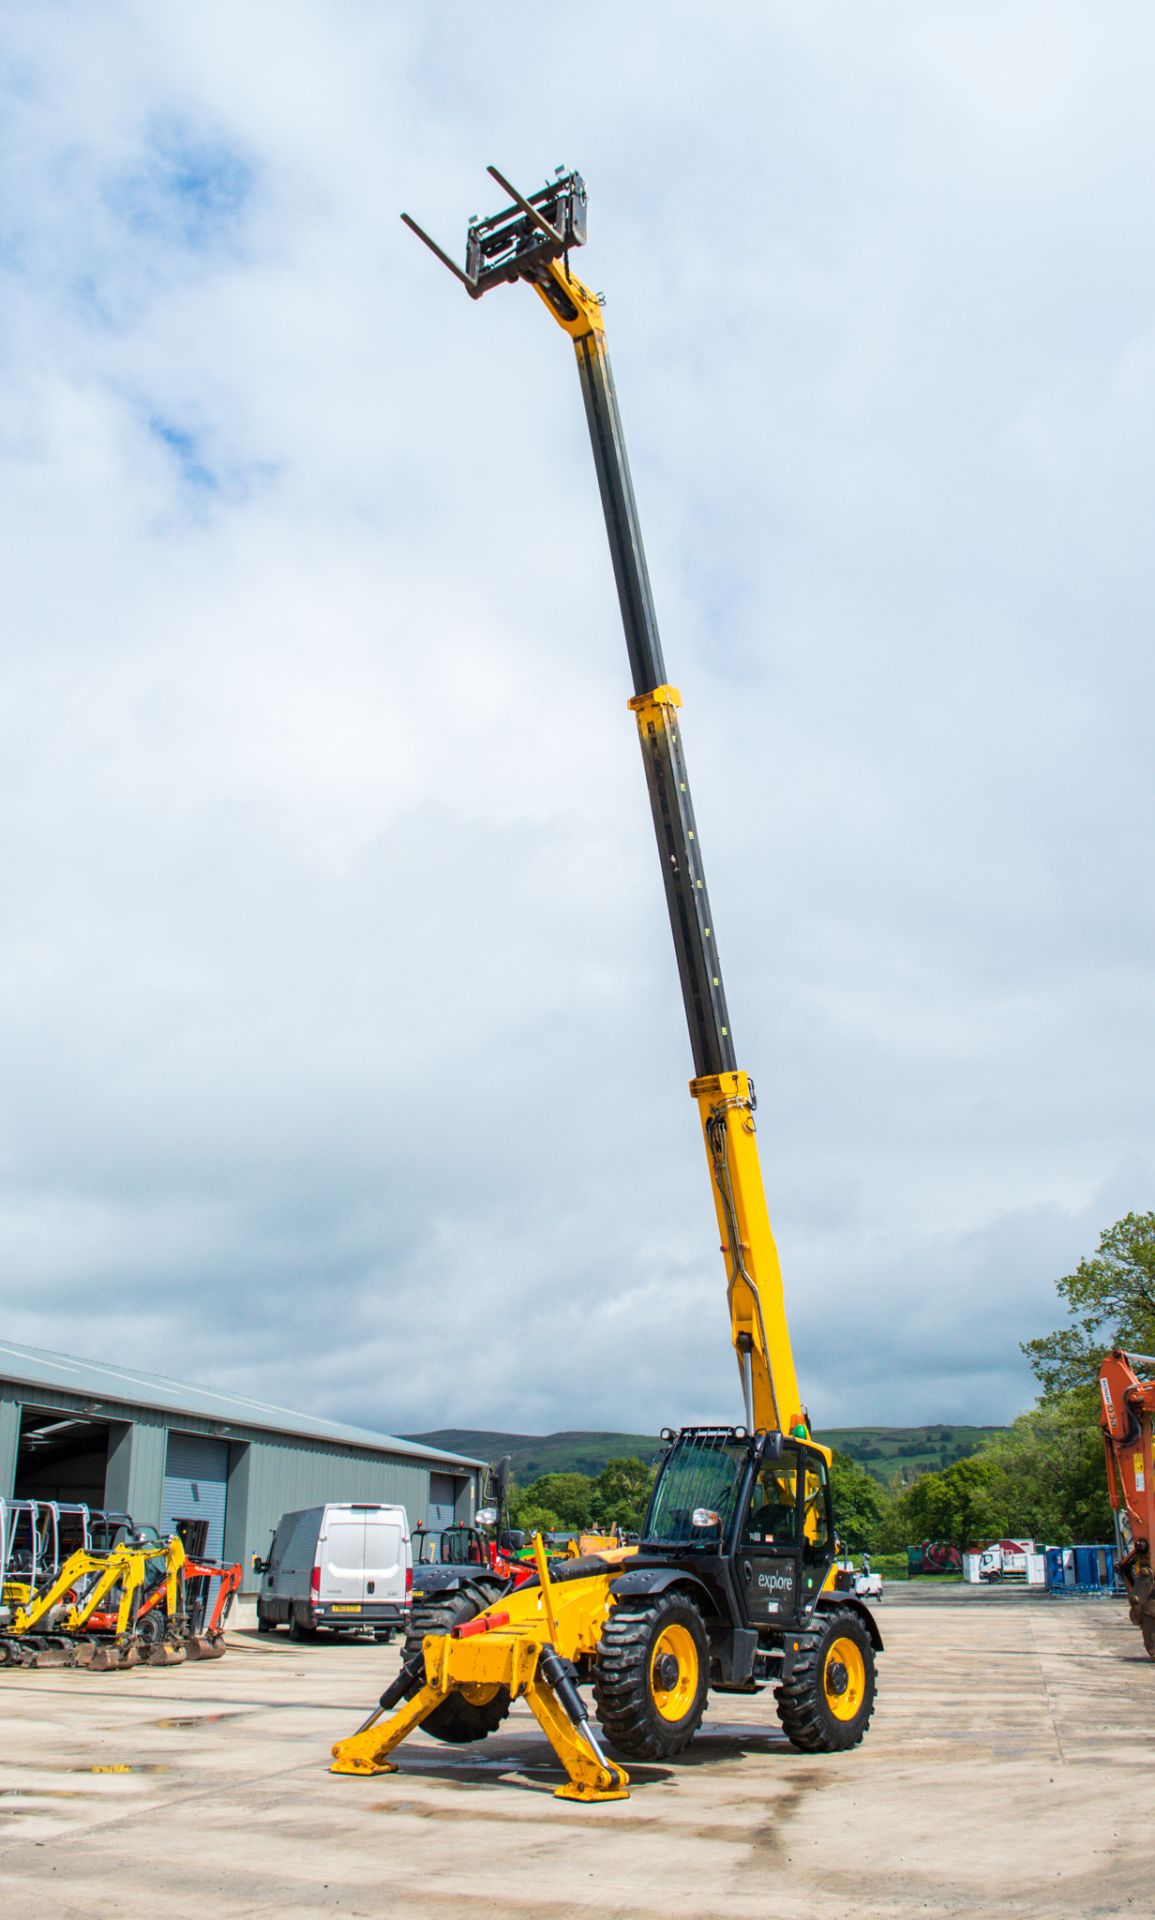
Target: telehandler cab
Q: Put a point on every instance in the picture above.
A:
(730, 1585)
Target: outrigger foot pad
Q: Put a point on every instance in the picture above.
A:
(590, 1795)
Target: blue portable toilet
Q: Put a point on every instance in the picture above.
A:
(1086, 1569)
(1056, 1568)
(1094, 1569)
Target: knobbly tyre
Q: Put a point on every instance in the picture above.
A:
(730, 1586)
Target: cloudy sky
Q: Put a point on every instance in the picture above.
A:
(343, 1058)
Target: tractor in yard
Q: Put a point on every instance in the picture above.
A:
(730, 1586)
(479, 1562)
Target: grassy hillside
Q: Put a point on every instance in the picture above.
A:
(892, 1454)
(896, 1454)
(535, 1453)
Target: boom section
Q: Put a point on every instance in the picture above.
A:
(655, 704)
(530, 240)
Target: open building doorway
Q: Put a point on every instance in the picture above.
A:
(61, 1456)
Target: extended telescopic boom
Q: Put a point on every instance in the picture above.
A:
(531, 240)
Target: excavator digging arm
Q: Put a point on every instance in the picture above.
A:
(1127, 1418)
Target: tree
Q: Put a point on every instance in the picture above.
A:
(860, 1504)
(620, 1494)
(566, 1497)
(1111, 1300)
(962, 1504)
(1049, 1474)
(532, 1518)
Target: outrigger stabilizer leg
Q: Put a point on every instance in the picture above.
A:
(550, 1690)
(488, 1651)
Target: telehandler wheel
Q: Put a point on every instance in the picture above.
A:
(460, 1717)
(1147, 1629)
(826, 1704)
(651, 1675)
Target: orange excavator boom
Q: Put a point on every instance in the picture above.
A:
(1127, 1418)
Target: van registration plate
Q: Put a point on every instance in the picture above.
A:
(339, 1606)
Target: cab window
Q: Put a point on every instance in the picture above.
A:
(816, 1541)
(772, 1515)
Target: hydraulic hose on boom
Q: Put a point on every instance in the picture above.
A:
(531, 240)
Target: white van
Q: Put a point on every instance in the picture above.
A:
(347, 1564)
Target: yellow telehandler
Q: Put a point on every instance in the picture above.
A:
(730, 1587)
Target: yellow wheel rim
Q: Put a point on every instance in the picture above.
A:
(844, 1678)
(673, 1686)
(478, 1695)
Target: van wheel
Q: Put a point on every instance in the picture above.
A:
(299, 1632)
(265, 1622)
(460, 1717)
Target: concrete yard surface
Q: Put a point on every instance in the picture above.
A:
(1010, 1770)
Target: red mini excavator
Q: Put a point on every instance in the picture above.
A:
(1127, 1385)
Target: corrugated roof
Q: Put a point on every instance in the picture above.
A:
(99, 1380)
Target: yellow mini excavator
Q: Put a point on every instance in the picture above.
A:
(730, 1586)
(55, 1627)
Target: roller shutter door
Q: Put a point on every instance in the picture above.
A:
(195, 1487)
(442, 1488)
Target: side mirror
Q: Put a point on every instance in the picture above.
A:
(259, 1565)
(487, 1516)
(705, 1517)
(516, 1539)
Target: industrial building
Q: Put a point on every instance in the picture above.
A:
(219, 1468)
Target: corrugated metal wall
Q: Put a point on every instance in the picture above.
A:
(268, 1473)
(281, 1474)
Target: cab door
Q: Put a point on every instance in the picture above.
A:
(817, 1522)
(770, 1544)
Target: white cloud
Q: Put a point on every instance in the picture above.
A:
(344, 1061)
